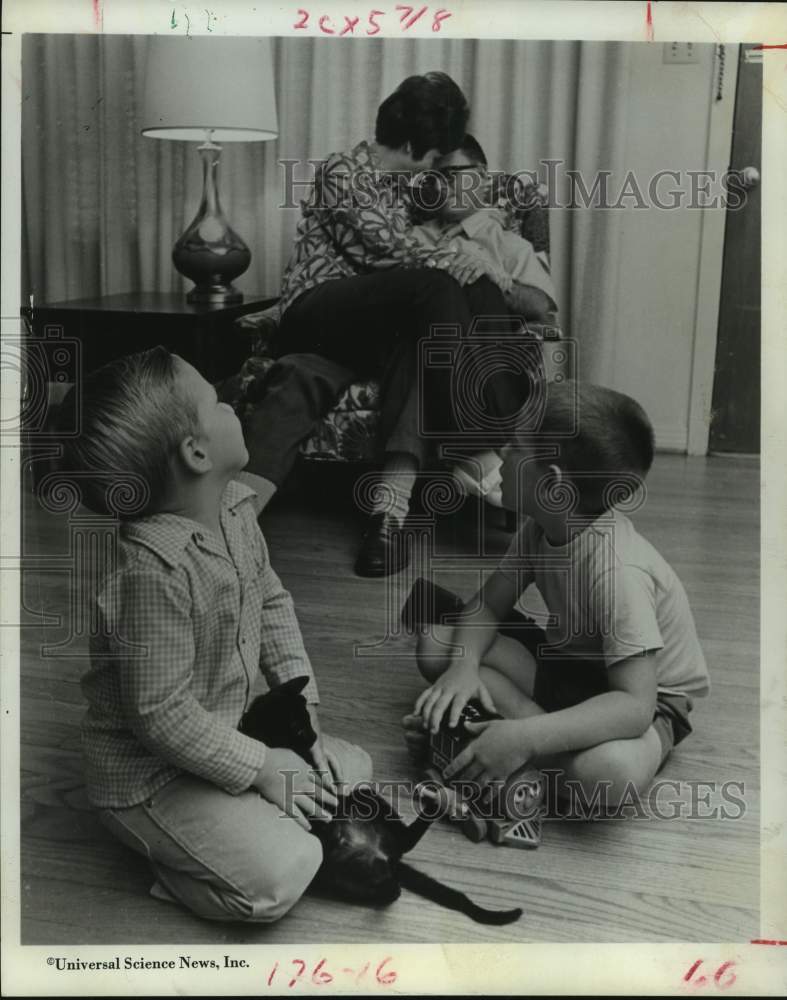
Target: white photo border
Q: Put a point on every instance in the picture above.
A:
(557, 969)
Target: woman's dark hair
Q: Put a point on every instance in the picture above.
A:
(429, 112)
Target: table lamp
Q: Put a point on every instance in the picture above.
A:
(210, 90)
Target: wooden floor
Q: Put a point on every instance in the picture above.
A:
(636, 880)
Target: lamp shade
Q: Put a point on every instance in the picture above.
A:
(198, 83)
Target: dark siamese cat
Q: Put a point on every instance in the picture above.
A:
(364, 843)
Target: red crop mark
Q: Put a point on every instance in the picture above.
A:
(98, 14)
(767, 940)
(649, 22)
(759, 48)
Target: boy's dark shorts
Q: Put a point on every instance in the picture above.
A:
(564, 681)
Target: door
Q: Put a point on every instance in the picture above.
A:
(735, 415)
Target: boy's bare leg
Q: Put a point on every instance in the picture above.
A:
(607, 771)
(508, 671)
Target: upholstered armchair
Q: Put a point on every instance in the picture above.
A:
(348, 432)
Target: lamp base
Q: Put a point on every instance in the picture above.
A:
(210, 252)
(221, 295)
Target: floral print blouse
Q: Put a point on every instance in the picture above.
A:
(358, 219)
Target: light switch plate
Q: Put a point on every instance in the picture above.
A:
(680, 52)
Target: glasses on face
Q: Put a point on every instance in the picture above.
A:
(448, 172)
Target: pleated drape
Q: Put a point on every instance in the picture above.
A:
(103, 205)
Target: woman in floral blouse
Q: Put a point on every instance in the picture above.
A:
(360, 292)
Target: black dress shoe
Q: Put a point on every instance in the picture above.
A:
(385, 548)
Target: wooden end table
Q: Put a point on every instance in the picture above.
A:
(112, 325)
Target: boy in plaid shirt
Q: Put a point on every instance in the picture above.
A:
(191, 615)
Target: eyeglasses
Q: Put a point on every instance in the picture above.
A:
(448, 172)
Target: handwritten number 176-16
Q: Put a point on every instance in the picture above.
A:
(322, 977)
(408, 16)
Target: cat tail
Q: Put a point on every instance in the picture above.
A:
(428, 887)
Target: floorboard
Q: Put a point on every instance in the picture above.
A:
(689, 878)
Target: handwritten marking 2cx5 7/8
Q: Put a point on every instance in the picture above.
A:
(408, 16)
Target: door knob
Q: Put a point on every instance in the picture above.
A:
(749, 177)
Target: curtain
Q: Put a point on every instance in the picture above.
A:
(103, 205)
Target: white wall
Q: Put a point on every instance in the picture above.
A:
(659, 259)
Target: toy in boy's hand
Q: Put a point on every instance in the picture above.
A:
(443, 702)
(498, 748)
(508, 815)
(364, 843)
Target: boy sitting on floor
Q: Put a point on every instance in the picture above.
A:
(192, 613)
(606, 693)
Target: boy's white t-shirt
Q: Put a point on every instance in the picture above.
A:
(610, 595)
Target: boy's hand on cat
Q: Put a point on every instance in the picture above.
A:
(290, 783)
(450, 693)
(324, 763)
(501, 747)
